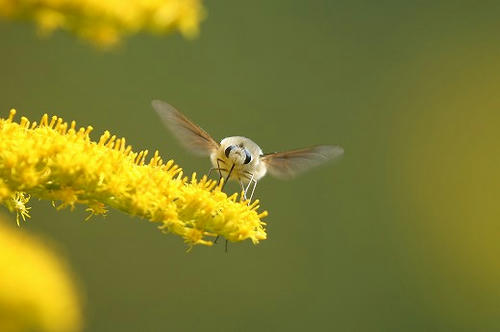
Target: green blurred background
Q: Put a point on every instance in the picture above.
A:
(401, 235)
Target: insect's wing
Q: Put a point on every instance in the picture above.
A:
(190, 135)
(286, 165)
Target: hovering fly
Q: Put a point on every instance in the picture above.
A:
(239, 158)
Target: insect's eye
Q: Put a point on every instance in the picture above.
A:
(248, 157)
(228, 150)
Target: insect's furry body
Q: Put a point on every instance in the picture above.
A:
(243, 172)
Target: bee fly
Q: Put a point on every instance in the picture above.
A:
(239, 158)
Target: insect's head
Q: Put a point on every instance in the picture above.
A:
(240, 151)
(238, 154)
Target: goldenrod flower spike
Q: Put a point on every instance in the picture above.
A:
(105, 22)
(58, 162)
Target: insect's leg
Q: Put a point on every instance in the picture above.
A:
(243, 189)
(215, 169)
(248, 186)
(218, 166)
(226, 247)
(253, 190)
(252, 179)
(216, 238)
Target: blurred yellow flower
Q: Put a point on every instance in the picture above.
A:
(106, 22)
(36, 292)
(55, 161)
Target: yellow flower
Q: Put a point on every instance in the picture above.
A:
(104, 22)
(17, 203)
(58, 162)
(36, 292)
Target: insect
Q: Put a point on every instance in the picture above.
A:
(239, 158)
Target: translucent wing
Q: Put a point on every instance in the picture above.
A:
(190, 135)
(286, 165)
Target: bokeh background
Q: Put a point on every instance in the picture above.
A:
(401, 235)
